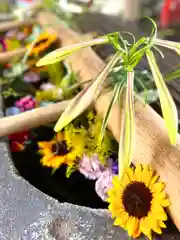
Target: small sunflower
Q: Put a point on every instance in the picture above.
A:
(56, 152)
(43, 42)
(137, 202)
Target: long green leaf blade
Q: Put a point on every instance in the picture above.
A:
(167, 104)
(126, 143)
(114, 98)
(168, 44)
(85, 97)
(62, 53)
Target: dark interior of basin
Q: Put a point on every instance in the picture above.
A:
(76, 189)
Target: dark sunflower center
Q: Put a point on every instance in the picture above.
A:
(60, 148)
(40, 42)
(137, 199)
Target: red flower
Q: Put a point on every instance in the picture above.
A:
(17, 141)
(16, 147)
(20, 137)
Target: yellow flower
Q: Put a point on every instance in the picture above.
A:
(44, 41)
(56, 152)
(137, 202)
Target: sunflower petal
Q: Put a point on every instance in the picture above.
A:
(126, 143)
(167, 104)
(62, 53)
(138, 172)
(158, 211)
(145, 228)
(162, 224)
(45, 145)
(154, 224)
(121, 221)
(158, 187)
(85, 97)
(147, 175)
(131, 174)
(132, 226)
(165, 203)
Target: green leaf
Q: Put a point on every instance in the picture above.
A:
(84, 99)
(168, 44)
(167, 104)
(54, 170)
(56, 73)
(62, 53)
(70, 169)
(126, 143)
(114, 98)
(173, 75)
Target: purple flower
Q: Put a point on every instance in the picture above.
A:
(11, 33)
(31, 77)
(91, 168)
(115, 167)
(104, 183)
(12, 111)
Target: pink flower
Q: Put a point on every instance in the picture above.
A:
(104, 183)
(91, 168)
(25, 103)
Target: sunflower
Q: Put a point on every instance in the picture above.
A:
(44, 41)
(137, 202)
(56, 152)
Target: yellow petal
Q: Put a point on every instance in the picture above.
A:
(165, 203)
(121, 221)
(46, 160)
(153, 181)
(57, 161)
(117, 184)
(41, 152)
(147, 175)
(158, 212)
(131, 174)
(45, 144)
(154, 223)
(138, 172)
(145, 228)
(125, 181)
(160, 196)
(158, 187)
(132, 226)
(162, 224)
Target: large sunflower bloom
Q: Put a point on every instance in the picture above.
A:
(137, 202)
(43, 42)
(56, 151)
